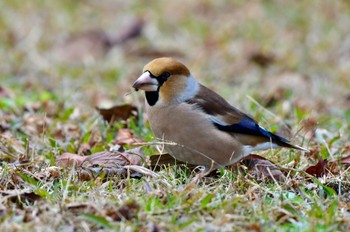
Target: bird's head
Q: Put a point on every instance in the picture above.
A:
(165, 81)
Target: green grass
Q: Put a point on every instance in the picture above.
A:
(48, 108)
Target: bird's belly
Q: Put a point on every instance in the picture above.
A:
(190, 137)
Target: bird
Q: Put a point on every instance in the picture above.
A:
(197, 125)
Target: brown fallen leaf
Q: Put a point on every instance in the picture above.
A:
(117, 113)
(155, 53)
(152, 227)
(6, 93)
(284, 216)
(255, 227)
(51, 172)
(263, 168)
(84, 149)
(335, 166)
(346, 101)
(159, 160)
(277, 87)
(309, 127)
(81, 46)
(346, 160)
(110, 162)
(51, 108)
(37, 123)
(346, 151)
(162, 159)
(11, 149)
(127, 211)
(136, 153)
(69, 159)
(92, 44)
(94, 139)
(126, 137)
(131, 31)
(318, 169)
(20, 195)
(262, 59)
(79, 208)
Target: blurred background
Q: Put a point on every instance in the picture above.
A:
(285, 62)
(281, 55)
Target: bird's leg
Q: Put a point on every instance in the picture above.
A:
(204, 171)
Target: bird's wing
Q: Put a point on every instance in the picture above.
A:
(240, 125)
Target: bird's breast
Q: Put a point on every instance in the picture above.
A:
(197, 140)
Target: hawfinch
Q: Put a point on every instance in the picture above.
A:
(203, 127)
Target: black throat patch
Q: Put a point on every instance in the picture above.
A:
(152, 97)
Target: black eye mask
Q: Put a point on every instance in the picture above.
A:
(162, 78)
(153, 96)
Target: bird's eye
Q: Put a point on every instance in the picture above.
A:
(165, 75)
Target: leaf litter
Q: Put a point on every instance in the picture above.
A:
(290, 84)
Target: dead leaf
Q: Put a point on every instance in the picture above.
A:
(17, 180)
(131, 31)
(111, 159)
(37, 123)
(263, 168)
(314, 154)
(127, 211)
(262, 59)
(117, 113)
(69, 159)
(11, 149)
(20, 195)
(79, 208)
(136, 153)
(319, 169)
(346, 160)
(335, 166)
(90, 45)
(6, 93)
(309, 127)
(50, 108)
(51, 172)
(94, 139)
(162, 159)
(67, 130)
(158, 160)
(256, 227)
(155, 53)
(110, 162)
(151, 227)
(284, 216)
(83, 46)
(84, 148)
(277, 87)
(126, 137)
(346, 101)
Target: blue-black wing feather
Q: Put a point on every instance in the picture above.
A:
(249, 127)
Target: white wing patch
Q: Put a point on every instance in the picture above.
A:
(217, 119)
(262, 146)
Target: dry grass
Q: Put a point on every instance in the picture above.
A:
(285, 62)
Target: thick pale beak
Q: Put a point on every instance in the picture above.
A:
(146, 83)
